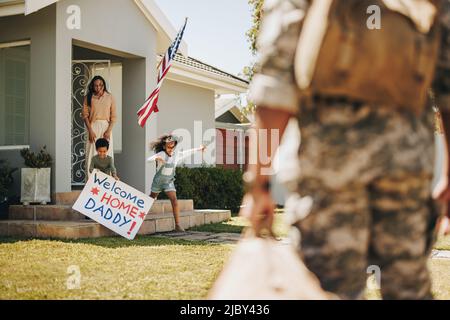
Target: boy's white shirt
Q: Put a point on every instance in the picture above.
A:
(176, 159)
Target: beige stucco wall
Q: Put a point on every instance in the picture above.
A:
(189, 109)
(40, 29)
(116, 27)
(121, 26)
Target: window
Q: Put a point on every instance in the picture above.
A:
(14, 95)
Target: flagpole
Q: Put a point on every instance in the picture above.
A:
(159, 64)
(150, 105)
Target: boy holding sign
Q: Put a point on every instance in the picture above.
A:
(102, 161)
(113, 204)
(166, 161)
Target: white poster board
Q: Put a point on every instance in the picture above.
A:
(113, 204)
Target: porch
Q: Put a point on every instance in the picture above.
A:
(59, 221)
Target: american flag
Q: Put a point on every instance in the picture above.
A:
(151, 104)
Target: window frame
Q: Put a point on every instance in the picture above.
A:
(12, 44)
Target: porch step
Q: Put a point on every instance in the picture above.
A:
(160, 206)
(47, 213)
(65, 212)
(66, 198)
(155, 223)
(164, 206)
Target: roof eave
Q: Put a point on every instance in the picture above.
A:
(233, 126)
(165, 30)
(12, 9)
(220, 110)
(220, 84)
(236, 112)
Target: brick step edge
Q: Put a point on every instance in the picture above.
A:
(92, 229)
(65, 212)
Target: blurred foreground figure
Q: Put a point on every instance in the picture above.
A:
(362, 181)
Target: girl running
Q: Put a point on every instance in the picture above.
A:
(166, 161)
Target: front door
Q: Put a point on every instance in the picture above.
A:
(82, 73)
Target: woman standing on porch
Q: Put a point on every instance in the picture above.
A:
(99, 114)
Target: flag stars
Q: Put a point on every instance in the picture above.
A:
(95, 191)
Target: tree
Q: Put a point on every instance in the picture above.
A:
(252, 35)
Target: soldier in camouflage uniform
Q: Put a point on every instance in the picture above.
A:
(368, 170)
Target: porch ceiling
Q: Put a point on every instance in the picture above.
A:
(165, 31)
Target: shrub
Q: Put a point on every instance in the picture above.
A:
(41, 160)
(6, 180)
(210, 187)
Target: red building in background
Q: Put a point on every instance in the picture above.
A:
(232, 139)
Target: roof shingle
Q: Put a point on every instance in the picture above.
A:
(206, 67)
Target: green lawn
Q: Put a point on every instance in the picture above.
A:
(440, 271)
(146, 268)
(443, 243)
(441, 281)
(111, 268)
(237, 224)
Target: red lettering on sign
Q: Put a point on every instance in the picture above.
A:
(133, 212)
(115, 203)
(106, 198)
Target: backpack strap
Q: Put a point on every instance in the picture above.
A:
(310, 41)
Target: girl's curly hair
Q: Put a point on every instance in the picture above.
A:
(158, 145)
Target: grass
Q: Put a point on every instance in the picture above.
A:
(441, 278)
(439, 269)
(111, 268)
(237, 224)
(153, 268)
(443, 243)
(115, 268)
(234, 225)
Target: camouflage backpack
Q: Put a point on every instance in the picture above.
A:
(344, 57)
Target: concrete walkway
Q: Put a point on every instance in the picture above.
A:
(440, 254)
(233, 238)
(221, 238)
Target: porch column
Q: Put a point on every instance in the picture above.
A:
(63, 123)
(131, 162)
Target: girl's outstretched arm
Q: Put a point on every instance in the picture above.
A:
(183, 155)
(156, 157)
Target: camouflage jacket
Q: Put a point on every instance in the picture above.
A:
(274, 84)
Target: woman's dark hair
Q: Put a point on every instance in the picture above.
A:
(158, 145)
(91, 89)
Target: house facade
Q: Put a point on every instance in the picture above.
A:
(49, 51)
(232, 134)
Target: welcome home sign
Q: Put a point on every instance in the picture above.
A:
(113, 204)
